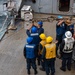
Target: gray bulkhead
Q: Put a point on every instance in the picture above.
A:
(50, 6)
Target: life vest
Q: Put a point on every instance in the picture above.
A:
(50, 51)
(68, 47)
(30, 51)
(43, 43)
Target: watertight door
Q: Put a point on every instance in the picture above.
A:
(64, 5)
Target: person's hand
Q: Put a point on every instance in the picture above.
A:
(60, 22)
(38, 26)
(39, 53)
(71, 28)
(30, 27)
(42, 60)
(56, 41)
(59, 56)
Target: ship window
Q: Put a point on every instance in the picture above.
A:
(64, 5)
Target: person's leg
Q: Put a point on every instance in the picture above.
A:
(38, 60)
(42, 65)
(28, 65)
(47, 67)
(57, 45)
(69, 63)
(34, 65)
(63, 67)
(57, 49)
(38, 56)
(52, 66)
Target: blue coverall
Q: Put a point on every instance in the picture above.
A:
(40, 30)
(36, 40)
(30, 53)
(60, 31)
(70, 28)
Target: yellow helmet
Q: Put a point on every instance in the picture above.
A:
(49, 39)
(42, 36)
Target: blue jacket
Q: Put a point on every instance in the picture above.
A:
(60, 30)
(30, 51)
(40, 30)
(70, 28)
(28, 32)
(36, 38)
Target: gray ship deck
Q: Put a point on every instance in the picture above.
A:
(12, 61)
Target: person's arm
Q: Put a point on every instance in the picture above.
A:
(44, 53)
(40, 30)
(30, 27)
(59, 23)
(62, 46)
(28, 32)
(74, 44)
(71, 27)
(36, 51)
(40, 48)
(24, 52)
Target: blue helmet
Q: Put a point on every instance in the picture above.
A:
(40, 23)
(33, 30)
(59, 17)
(29, 39)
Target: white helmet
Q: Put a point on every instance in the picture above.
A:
(68, 34)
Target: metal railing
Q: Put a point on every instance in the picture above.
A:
(4, 24)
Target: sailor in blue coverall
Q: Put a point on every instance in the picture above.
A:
(30, 53)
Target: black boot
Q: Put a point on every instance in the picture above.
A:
(47, 73)
(42, 69)
(28, 72)
(52, 74)
(69, 69)
(62, 69)
(35, 71)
